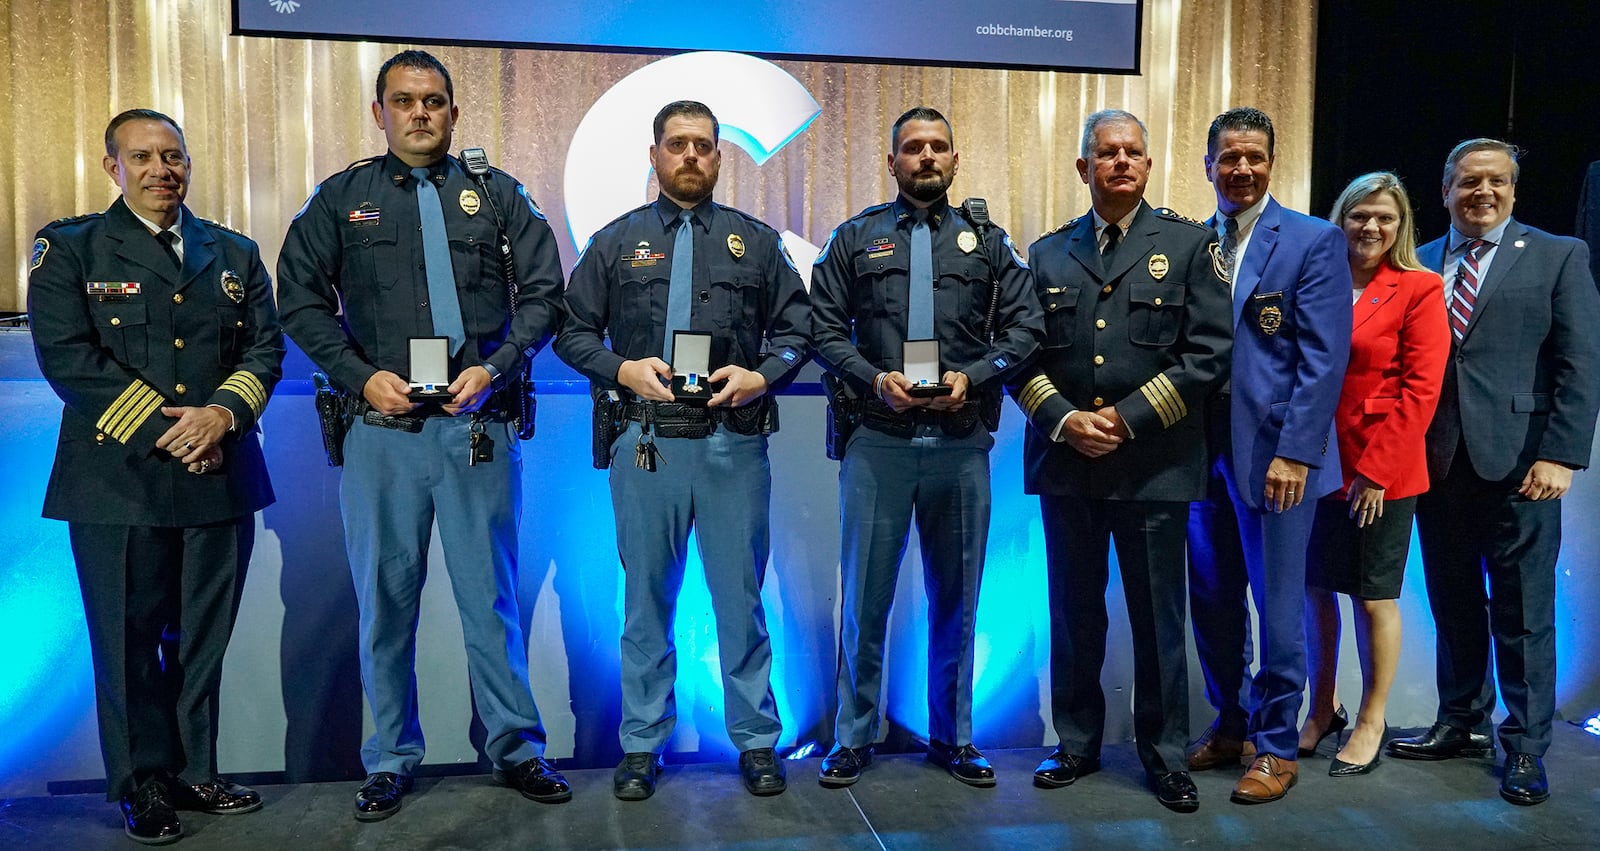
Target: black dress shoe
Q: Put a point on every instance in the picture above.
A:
(1176, 791)
(1336, 725)
(964, 763)
(380, 796)
(762, 772)
(537, 780)
(218, 797)
(1442, 741)
(1340, 768)
(148, 816)
(842, 766)
(1060, 769)
(635, 777)
(1524, 781)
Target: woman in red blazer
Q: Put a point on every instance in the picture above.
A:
(1399, 344)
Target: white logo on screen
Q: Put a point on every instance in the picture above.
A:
(759, 106)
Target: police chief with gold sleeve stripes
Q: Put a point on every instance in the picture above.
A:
(1137, 335)
(157, 330)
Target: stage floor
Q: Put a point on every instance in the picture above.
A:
(901, 802)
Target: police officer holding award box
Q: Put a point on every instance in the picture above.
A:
(685, 273)
(913, 271)
(157, 330)
(409, 244)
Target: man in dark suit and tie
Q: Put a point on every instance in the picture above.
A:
(1516, 417)
(1274, 452)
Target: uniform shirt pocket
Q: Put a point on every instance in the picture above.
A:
(1060, 309)
(883, 279)
(124, 328)
(374, 256)
(1155, 312)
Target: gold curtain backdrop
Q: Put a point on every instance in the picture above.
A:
(265, 119)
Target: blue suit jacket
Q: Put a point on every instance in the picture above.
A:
(1291, 342)
(1525, 377)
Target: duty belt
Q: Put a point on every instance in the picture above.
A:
(878, 416)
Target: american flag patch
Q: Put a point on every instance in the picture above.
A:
(365, 214)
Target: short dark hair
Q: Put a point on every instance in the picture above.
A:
(422, 60)
(685, 109)
(127, 115)
(918, 113)
(1241, 119)
(1472, 146)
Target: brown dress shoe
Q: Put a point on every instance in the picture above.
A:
(1268, 778)
(1217, 750)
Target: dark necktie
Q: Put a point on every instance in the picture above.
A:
(1109, 252)
(680, 282)
(443, 303)
(167, 238)
(1466, 290)
(919, 319)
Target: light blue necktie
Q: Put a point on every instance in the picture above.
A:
(443, 302)
(919, 321)
(681, 282)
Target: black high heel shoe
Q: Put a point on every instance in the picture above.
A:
(1340, 768)
(1341, 720)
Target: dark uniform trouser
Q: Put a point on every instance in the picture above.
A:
(394, 486)
(160, 604)
(882, 481)
(1149, 538)
(1470, 529)
(721, 486)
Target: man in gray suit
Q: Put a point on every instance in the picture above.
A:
(1515, 418)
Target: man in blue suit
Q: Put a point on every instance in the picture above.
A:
(1273, 454)
(1516, 416)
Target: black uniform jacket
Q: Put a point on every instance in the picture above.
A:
(860, 292)
(357, 244)
(747, 294)
(1151, 335)
(119, 333)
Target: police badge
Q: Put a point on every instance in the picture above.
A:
(233, 286)
(469, 202)
(1158, 266)
(1269, 320)
(735, 245)
(966, 241)
(1219, 264)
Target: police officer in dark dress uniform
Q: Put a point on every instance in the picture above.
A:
(407, 244)
(686, 263)
(157, 330)
(910, 270)
(1137, 336)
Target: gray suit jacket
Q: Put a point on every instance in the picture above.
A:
(1523, 382)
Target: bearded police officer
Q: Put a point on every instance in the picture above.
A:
(1136, 337)
(157, 330)
(685, 284)
(409, 245)
(917, 270)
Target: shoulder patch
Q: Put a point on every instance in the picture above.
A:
(1172, 215)
(307, 205)
(826, 247)
(1015, 255)
(532, 207)
(40, 247)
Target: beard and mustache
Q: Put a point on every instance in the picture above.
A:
(690, 183)
(926, 186)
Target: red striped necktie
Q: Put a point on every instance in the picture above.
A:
(1466, 290)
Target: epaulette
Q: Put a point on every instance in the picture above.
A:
(222, 227)
(624, 216)
(359, 163)
(749, 218)
(870, 210)
(1061, 227)
(68, 220)
(1172, 215)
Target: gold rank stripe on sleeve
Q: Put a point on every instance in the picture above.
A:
(1165, 399)
(129, 411)
(248, 388)
(1035, 392)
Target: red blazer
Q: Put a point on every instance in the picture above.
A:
(1399, 344)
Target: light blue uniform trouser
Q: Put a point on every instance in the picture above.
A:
(883, 481)
(393, 486)
(721, 486)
